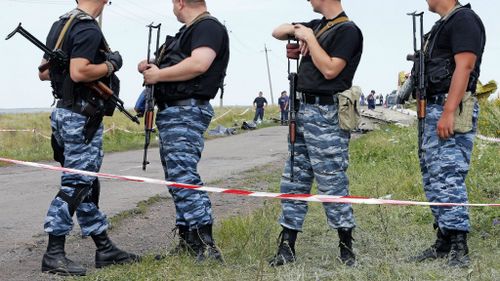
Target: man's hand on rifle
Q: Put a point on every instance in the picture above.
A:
(115, 59)
(151, 74)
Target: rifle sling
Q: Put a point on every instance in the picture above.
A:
(329, 25)
(60, 39)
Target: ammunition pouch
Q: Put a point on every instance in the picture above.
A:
(463, 114)
(349, 115)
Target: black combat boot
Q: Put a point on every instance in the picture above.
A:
(54, 260)
(439, 249)
(108, 254)
(286, 248)
(345, 244)
(202, 243)
(459, 253)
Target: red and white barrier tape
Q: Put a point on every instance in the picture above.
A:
(490, 139)
(34, 131)
(241, 192)
(14, 130)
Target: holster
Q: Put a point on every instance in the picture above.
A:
(91, 126)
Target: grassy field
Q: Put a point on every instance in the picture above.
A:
(383, 163)
(124, 134)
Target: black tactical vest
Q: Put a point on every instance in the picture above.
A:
(76, 96)
(440, 63)
(204, 86)
(311, 80)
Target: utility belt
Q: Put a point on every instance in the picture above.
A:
(439, 99)
(312, 98)
(184, 102)
(82, 107)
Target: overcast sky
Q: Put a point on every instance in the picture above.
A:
(386, 29)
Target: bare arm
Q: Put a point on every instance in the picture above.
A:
(465, 63)
(198, 63)
(81, 70)
(330, 67)
(283, 31)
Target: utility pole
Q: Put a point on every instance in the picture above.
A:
(269, 74)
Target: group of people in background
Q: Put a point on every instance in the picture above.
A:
(260, 103)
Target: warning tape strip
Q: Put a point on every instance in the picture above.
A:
(34, 131)
(490, 139)
(241, 192)
(225, 113)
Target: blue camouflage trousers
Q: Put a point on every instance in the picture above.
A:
(444, 165)
(321, 153)
(67, 129)
(181, 131)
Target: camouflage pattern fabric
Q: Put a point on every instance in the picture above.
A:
(67, 129)
(181, 131)
(321, 153)
(444, 165)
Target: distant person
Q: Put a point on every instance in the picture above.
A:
(283, 102)
(371, 100)
(321, 153)
(259, 104)
(362, 99)
(381, 99)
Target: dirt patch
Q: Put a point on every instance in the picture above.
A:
(146, 233)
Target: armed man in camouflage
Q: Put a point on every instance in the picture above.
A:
(331, 49)
(454, 52)
(77, 136)
(188, 72)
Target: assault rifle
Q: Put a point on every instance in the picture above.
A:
(59, 57)
(149, 108)
(418, 74)
(293, 53)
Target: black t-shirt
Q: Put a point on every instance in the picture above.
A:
(259, 101)
(83, 40)
(346, 43)
(463, 32)
(205, 33)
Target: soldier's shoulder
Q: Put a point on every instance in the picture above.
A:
(78, 14)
